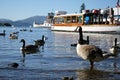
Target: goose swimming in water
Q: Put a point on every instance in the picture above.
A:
(3, 34)
(90, 52)
(29, 48)
(13, 65)
(41, 42)
(115, 49)
(13, 36)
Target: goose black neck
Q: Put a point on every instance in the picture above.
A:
(4, 31)
(80, 41)
(23, 44)
(43, 37)
(115, 42)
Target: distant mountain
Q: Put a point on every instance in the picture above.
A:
(29, 21)
(5, 21)
(25, 22)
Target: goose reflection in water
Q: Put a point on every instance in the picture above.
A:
(93, 74)
(107, 73)
(25, 53)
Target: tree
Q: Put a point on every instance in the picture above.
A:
(82, 7)
(5, 24)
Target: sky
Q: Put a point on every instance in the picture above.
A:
(21, 9)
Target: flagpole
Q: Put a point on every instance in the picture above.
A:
(117, 5)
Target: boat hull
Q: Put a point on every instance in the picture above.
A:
(91, 29)
(47, 25)
(41, 26)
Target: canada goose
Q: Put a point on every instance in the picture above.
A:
(24, 29)
(41, 42)
(31, 30)
(84, 42)
(115, 49)
(13, 36)
(29, 48)
(90, 52)
(14, 65)
(3, 34)
(15, 32)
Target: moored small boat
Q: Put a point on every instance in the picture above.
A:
(44, 25)
(47, 24)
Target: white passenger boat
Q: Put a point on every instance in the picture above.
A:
(47, 23)
(96, 21)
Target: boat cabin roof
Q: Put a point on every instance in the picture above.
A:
(75, 14)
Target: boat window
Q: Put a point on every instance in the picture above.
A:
(74, 20)
(55, 20)
(80, 19)
(68, 19)
(62, 20)
(59, 20)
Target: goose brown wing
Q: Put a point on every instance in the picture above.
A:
(95, 52)
(41, 42)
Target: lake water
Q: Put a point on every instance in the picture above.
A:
(57, 60)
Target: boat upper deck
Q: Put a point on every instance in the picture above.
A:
(96, 17)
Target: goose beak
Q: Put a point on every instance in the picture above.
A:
(20, 41)
(46, 38)
(35, 41)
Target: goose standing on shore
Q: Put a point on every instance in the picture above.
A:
(90, 52)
